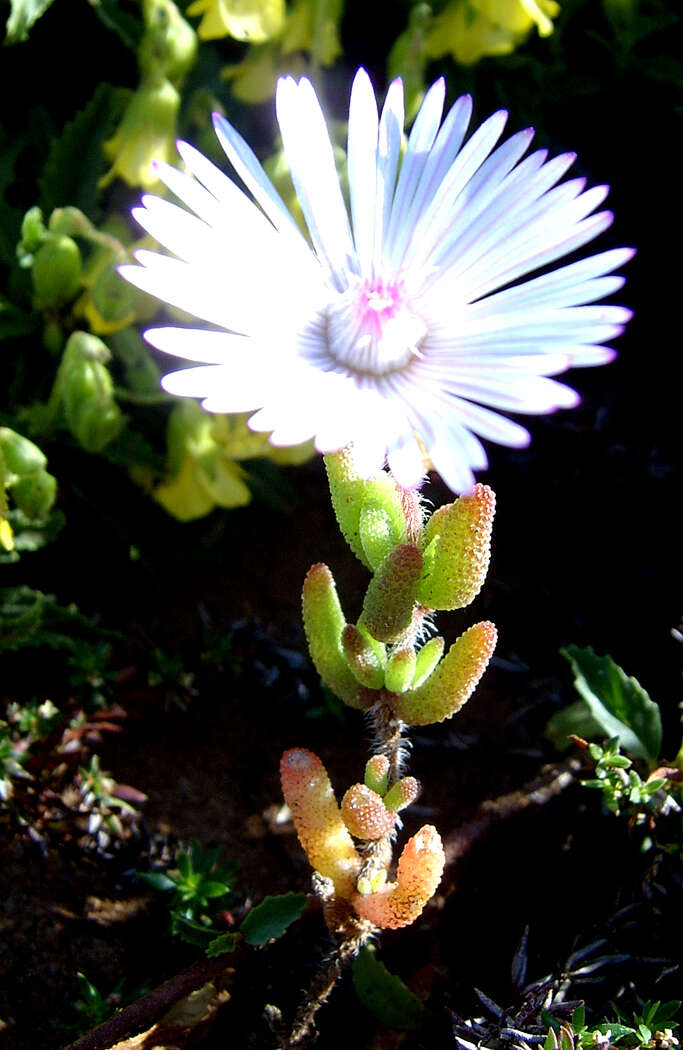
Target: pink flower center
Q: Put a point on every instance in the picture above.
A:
(378, 302)
(371, 328)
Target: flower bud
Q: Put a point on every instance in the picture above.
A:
(32, 235)
(319, 826)
(146, 134)
(169, 45)
(453, 681)
(35, 493)
(57, 271)
(20, 455)
(109, 303)
(365, 814)
(92, 415)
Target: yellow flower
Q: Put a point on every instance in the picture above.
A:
(250, 20)
(254, 78)
(473, 29)
(146, 134)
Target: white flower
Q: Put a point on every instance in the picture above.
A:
(403, 321)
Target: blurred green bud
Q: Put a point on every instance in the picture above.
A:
(109, 304)
(32, 236)
(350, 493)
(92, 415)
(35, 494)
(390, 597)
(169, 45)
(324, 623)
(146, 134)
(20, 455)
(57, 269)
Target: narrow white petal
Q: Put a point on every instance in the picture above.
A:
(362, 166)
(406, 209)
(196, 382)
(311, 164)
(200, 344)
(388, 153)
(471, 156)
(245, 163)
(416, 155)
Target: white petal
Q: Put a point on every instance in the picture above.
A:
(200, 344)
(416, 155)
(244, 161)
(311, 165)
(388, 153)
(362, 166)
(406, 462)
(441, 156)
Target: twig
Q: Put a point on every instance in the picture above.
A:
(146, 1011)
(552, 781)
(323, 984)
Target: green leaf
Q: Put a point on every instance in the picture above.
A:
(214, 889)
(575, 719)
(385, 994)
(76, 161)
(227, 942)
(190, 931)
(128, 28)
(271, 917)
(23, 15)
(156, 879)
(618, 703)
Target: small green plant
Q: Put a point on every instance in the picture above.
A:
(651, 1029)
(198, 883)
(92, 1006)
(102, 799)
(12, 760)
(636, 782)
(623, 789)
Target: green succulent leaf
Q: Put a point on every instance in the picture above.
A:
(269, 919)
(385, 994)
(617, 702)
(390, 597)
